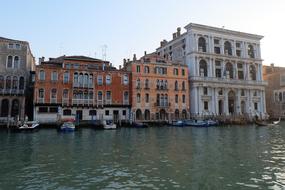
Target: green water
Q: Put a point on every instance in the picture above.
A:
(245, 157)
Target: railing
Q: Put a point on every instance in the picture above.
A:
(164, 104)
(12, 91)
(229, 81)
(82, 101)
(53, 100)
(41, 100)
(126, 102)
(82, 85)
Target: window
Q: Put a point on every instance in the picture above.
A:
(240, 71)
(75, 78)
(54, 76)
(11, 46)
(67, 112)
(91, 81)
(15, 83)
(42, 75)
(1, 82)
(176, 98)
(146, 84)
(125, 80)
(146, 69)
(8, 82)
(86, 80)
(216, 41)
(9, 61)
(100, 96)
(202, 44)
(228, 48)
(92, 112)
(229, 70)
(18, 46)
(205, 91)
(147, 98)
(80, 80)
(126, 97)
(183, 85)
(65, 94)
(183, 99)
(205, 105)
(124, 112)
(53, 110)
(220, 92)
(138, 98)
(41, 93)
(238, 52)
(100, 80)
(183, 72)
(108, 79)
(176, 86)
(107, 112)
(256, 106)
(108, 95)
(76, 66)
(203, 68)
(138, 69)
(43, 109)
(67, 66)
(65, 77)
(218, 70)
(16, 62)
(138, 84)
(242, 92)
(250, 51)
(252, 72)
(175, 71)
(53, 95)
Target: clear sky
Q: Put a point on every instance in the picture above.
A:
(83, 27)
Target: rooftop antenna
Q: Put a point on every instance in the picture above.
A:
(104, 50)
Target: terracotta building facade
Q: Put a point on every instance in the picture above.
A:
(159, 89)
(87, 88)
(275, 91)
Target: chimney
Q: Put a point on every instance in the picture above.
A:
(120, 67)
(272, 64)
(144, 52)
(125, 61)
(178, 31)
(128, 60)
(41, 59)
(174, 35)
(135, 57)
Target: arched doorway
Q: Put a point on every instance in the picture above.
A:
(242, 105)
(15, 108)
(221, 106)
(162, 114)
(146, 115)
(5, 108)
(231, 102)
(176, 114)
(138, 114)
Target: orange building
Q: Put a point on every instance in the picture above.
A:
(160, 90)
(88, 88)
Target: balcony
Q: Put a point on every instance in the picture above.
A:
(162, 104)
(228, 81)
(41, 100)
(82, 85)
(161, 88)
(126, 102)
(65, 101)
(11, 92)
(53, 101)
(82, 102)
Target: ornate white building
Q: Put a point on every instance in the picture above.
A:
(225, 69)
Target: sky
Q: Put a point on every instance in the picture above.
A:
(126, 27)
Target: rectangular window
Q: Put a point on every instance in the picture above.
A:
(183, 72)
(76, 66)
(11, 46)
(147, 98)
(217, 50)
(238, 53)
(43, 109)
(67, 66)
(218, 73)
(205, 105)
(107, 112)
(175, 71)
(92, 112)
(183, 98)
(108, 79)
(100, 80)
(216, 41)
(255, 105)
(138, 69)
(18, 46)
(54, 76)
(108, 95)
(65, 77)
(205, 90)
(53, 110)
(124, 112)
(126, 80)
(176, 98)
(42, 75)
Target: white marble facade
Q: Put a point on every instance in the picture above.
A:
(225, 69)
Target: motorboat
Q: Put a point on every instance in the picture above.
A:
(109, 124)
(28, 126)
(178, 123)
(212, 122)
(196, 123)
(67, 126)
(270, 124)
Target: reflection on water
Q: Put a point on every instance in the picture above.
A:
(156, 158)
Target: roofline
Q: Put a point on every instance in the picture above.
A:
(168, 42)
(8, 39)
(222, 30)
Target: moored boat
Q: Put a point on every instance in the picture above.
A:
(264, 123)
(196, 123)
(67, 126)
(109, 124)
(178, 123)
(28, 126)
(139, 125)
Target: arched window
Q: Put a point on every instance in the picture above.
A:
(138, 84)
(146, 83)
(176, 114)
(138, 114)
(4, 108)
(146, 98)
(183, 85)
(203, 68)
(16, 62)
(228, 48)
(22, 83)
(65, 77)
(108, 79)
(15, 108)
(146, 69)
(147, 115)
(202, 44)
(165, 85)
(126, 80)
(161, 103)
(183, 98)
(100, 96)
(138, 98)
(9, 61)
(8, 82)
(81, 80)
(166, 100)
(161, 84)
(280, 96)
(41, 93)
(157, 84)
(126, 97)
(1, 82)
(91, 81)
(157, 99)
(176, 85)
(229, 70)
(184, 114)
(250, 51)
(75, 78)
(15, 83)
(65, 94)
(252, 72)
(86, 80)
(53, 95)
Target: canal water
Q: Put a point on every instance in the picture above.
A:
(245, 157)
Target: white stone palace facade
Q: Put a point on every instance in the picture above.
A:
(225, 70)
